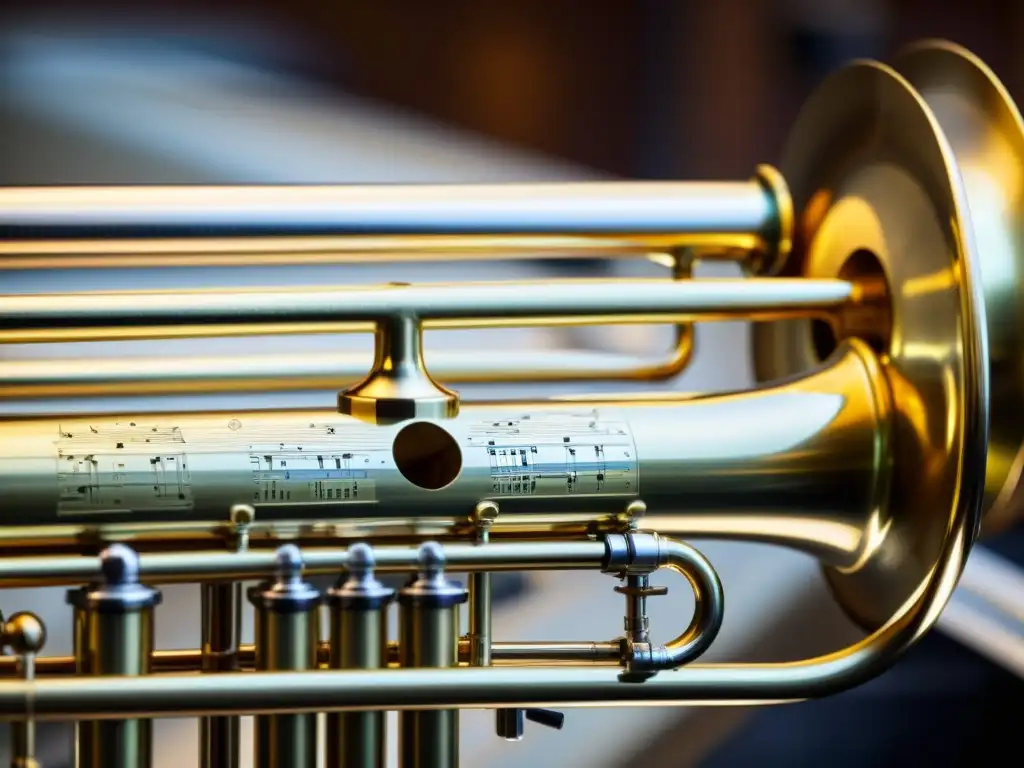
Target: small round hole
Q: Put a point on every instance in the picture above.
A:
(427, 455)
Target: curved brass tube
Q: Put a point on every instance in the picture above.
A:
(709, 603)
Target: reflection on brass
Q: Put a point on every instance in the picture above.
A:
(881, 269)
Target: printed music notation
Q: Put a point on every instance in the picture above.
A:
(126, 467)
(559, 454)
(288, 474)
(122, 468)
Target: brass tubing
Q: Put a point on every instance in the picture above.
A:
(218, 565)
(826, 433)
(359, 640)
(287, 639)
(23, 732)
(25, 634)
(289, 251)
(428, 624)
(562, 302)
(478, 687)
(643, 212)
(502, 654)
(109, 377)
(221, 606)
(79, 666)
(119, 643)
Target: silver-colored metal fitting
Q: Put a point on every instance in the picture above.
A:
(361, 590)
(241, 515)
(288, 593)
(633, 554)
(647, 554)
(646, 657)
(633, 623)
(288, 563)
(617, 553)
(119, 565)
(119, 591)
(431, 588)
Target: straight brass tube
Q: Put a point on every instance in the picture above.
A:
(109, 377)
(502, 654)
(287, 637)
(119, 643)
(646, 212)
(221, 605)
(428, 638)
(563, 302)
(217, 565)
(359, 640)
(79, 666)
(157, 253)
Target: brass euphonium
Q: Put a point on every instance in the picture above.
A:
(882, 264)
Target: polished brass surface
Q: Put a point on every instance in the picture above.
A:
(287, 636)
(882, 265)
(749, 216)
(79, 665)
(221, 606)
(428, 626)
(870, 171)
(986, 134)
(118, 642)
(823, 432)
(398, 385)
(25, 634)
(358, 640)
(221, 629)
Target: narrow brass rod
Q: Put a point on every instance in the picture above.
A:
(291, 251)
(129, 376)
(215, 565)
(565, 301)
(502, 653)
(219, 737)
(617, 210)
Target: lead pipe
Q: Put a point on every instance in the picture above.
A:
(287, 637)
(118, 642)
(428, 638)
(562, 302)
(359, 640)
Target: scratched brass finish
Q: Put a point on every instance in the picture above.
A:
(882, 262)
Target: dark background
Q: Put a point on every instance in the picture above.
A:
(640, 88)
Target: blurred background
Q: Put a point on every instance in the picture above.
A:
(228, 91)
